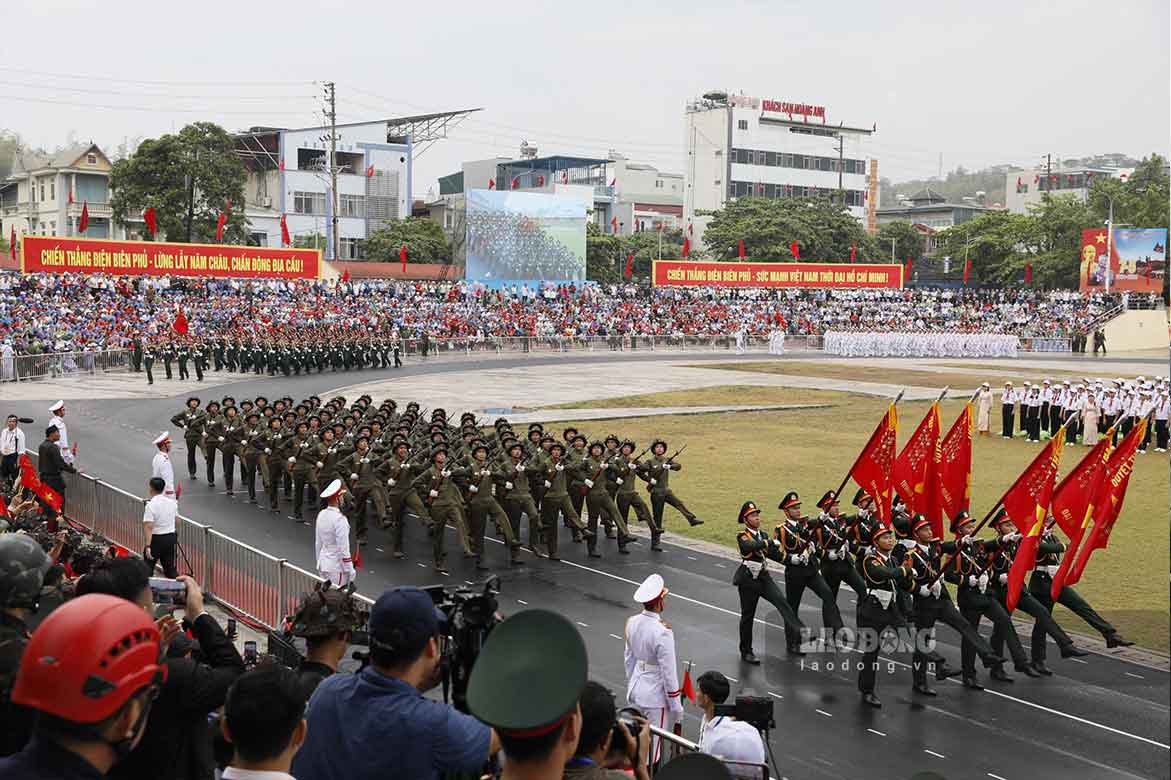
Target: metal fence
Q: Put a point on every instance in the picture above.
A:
(680, 342)
(63, 365)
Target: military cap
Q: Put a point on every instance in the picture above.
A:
(961, 517)
(400, 442)
(548, 438)
(313, 417)
(516, 687)
(324, 613)
(828, 499)
(536, 426)
(746, 509)
(791, 499)
(535, 432)
(338, 425)
(362, 437)
(628, 443)
(597, 444)
(228, 400)
(479, 445)
(303, 424)
(859, 495)
(918, 521)
(658, 442)
(195, 399)
(246, 402)
(212, 403)
(579, 437)
(252, 415)
(438, 448)
(556, 445)
(260, 398)
(1000, 517)
(499, 421)
(565, 433)
(612, 438)
(412, 404)
(882, 530)
(515, 445)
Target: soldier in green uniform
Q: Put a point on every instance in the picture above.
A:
(182, 355)
(594, 472)
(445, 503)
(306, 460)
(168, 358)
(556, 499)
(398, 472)
(657, 471)
(229, 435)
(250, 456)
(191, 420)
(211, 421)
(518, 498)
(148, 361)
(273, 466)
(217, 354)
(482, 503)
(878, 609)
(625, 471)
(573, 460)
(199, 358)
(361, 469)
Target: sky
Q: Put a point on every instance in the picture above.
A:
(978, 83)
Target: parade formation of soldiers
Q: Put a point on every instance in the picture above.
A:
(396, 465)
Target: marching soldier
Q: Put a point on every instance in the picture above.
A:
(168, 358)
(305, 461)
(400, 471)
(148, 361)
(625, 473)
(332, 539)
(199, 359)
(518, 497)
(275, 443)
(210, 422)
(250, 456)
(482, 503)
(657, 471)
(878, 609)
(191, 420)
(594, 476)
(445, 502)
(230, 434)
(183, 355)
(652, 674)
(832, 539)
(801, 570)
(556, 499)
(362, 468)
(753, 581)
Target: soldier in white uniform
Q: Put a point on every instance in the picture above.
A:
(332, 542)
(652, 676)
(162, 467)
(58, 420)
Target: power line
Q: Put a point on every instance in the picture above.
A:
(92, 77)
(150, 109)
(83, 90)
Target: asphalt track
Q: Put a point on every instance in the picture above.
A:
(1101, 718)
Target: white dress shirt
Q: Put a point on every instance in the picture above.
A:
(332, 546)
(652, 675)
(732, 740)
(63, 442)
(162, 467)
(161, 510)
(11, 441)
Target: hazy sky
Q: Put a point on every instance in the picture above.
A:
(980, 83)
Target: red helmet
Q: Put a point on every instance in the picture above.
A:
(88, 657)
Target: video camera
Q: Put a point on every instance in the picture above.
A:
(756, 710)
(471, 616)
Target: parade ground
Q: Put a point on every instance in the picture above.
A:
(1104, 716)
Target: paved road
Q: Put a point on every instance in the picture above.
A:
(1105, 718)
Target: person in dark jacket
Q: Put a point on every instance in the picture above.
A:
(51, 464)
(177, 742)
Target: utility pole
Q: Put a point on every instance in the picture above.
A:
(841, 147)
(1109, 244)
(331, 115)
(1048, 172)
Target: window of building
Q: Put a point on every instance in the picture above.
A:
(351, 206)
(658, 184)
(309, 203)
(351, 249)
(760, 157)
(311, 160)
(42, 198)
(52, 189)
(91, 159)
(52, 228)
(742, 124)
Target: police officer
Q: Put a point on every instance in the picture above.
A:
(326, 619)
(878, 609)
(23, 565)
(753, 581)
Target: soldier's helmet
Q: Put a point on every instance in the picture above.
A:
(325, 612)
(23, 565)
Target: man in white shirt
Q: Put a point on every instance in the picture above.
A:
(723, 736)
(158, 528)
(58, 420)
(332, 539)
(11, 448)
(652, 676)
(162, 467)
(1008, 399)
(264, 720)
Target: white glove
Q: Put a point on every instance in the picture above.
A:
(983, 583)
(520, 467)
(433, 494)
(924, 591)
(906, 543)
(320, 465)
(654, 481)
(1003, 578)
(936, 588)
(485, 472)
(473, 489)
(559, 467)
(796, 559)
(390, 482)
(548, 484)
(1015, 536)
(204, 434)
(508, 486)
(267, 451)
(833, 555)
(965, 540)
(365, 460)
(292, 460)
(973, 580)
(618, 481)
(353, 477)
(221, 438)
(446, 472)
(589, 483)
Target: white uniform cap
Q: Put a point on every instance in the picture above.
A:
(1046, 382)
(985, 385)
(332, 489)
(1008, 384)
(162, 437)
(57, 406)
(650, 589)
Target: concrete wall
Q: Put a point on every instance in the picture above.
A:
(1137, 330)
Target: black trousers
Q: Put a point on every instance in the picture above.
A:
(660, 500)
(839, 571)
(199, 370)
(796, 582)
(210, 458)
(192, 448)
(976, 605)
(1040, 585)
(1056, 418)
(1146, 442)
(150, 377)
(248, 467)
(751, 592)
(1006, 420)
(167, 368)
(1045, 418)
(1029, 605)
(878, 622)
(302, 481)
(1161, 434)
(229, 469)
(162, 550)
(183, 372)
(8, 466)
(929, 611)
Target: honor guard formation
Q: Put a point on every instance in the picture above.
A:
(376, 463)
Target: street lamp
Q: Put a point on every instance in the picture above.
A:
(1109, 240)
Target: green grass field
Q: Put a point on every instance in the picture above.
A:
(717, 395)
(893, 375)
(731, 458)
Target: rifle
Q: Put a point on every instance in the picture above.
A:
(676, 453)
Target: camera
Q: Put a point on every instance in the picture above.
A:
(471, 616)
(167, 591)
(756, 710)
(626, 717)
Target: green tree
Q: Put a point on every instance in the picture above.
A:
(1142, 200)
(645, 247)
(602, 255)
(423, 236)
(309, 241)
(823, 230)
(993, 241)
(908, 242)
(189, 178)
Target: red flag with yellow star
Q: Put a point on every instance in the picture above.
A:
(910, 472)
(872, 469)
(1027, 504)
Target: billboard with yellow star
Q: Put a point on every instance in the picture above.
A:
(1137, 260)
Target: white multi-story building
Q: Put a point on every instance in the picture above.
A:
(1026, 188)
(45, 194)
(739, 146)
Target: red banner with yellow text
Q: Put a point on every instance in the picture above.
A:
(687, 273)
(57, 254)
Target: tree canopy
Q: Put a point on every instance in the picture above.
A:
(823, 231)
(423, 236)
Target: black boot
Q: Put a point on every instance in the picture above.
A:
(1027, 670)
(870, 700)
(750, 658)
(1040, 668)
(655, 545)
(972, 684)
(694, 521)
(1114, 640)
(1072, 651)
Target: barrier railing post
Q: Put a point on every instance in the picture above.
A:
(207, 570)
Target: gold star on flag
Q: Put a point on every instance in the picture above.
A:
(1101, 238)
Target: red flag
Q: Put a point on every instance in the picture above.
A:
(515, 182)
(1018, 182)
(795, 250)
(151, 219)
(629, 265)
(346, 275)
(909, 474)
(688, 688)
(690, 230)
(4, 507)
(281, 165)
(1027, 503)
(83, 223)
(872, 469)
(369, 170)
(180, 323)
(358, 556)
(71, 197)
(285, 240)
(967, 270)
(1074, 500)
(741, 249)
(12, 242)
(614, 181)
(402, 256)
(951, 489)
(1028, 273)
(614, 224)
(491, 184)
(853, 251)
(565, 177)
(1036, 178)
(1108, 504)
(686, 246)
(219, 226)
(910, 266)
(30, 480)
(540, 181)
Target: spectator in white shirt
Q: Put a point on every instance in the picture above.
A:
(11, 448)
(264, 720)
(158, 528)
(722, 735)
(58, 420)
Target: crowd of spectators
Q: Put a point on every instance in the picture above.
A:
(78, 312)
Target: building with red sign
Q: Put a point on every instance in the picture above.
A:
(776, 147)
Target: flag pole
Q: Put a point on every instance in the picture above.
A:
(850, 470)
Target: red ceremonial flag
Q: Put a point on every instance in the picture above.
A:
(180, 323)
(686, 246)
(910, 267)
(515, 182)
(951, 490)
(151, 219)
(1108, 504)
(219, 226)
(1073, 503)
(285, 240)
(565, 177)
(1027, 507)
(795, 250)
(491, 184)
(83, 223)
(540, 181)
(688, 688)
(967, 270)
(1018, 182)
(1028, 273)
(281, 165)
(70, 197)
(690, 230)
(369, 170)
(4, 507)
(614, 224)
(741, 249)
(614, 181)
(853, 252)
(402, 255)
(30, 480)
(1036, 178)
(346, 275)
(872, 469)
(910, 472)
(629, 265)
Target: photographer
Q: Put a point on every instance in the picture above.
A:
(177, 744)
(326, 620)
(376, 723)
(264, 720)
(606, 748)
(722, 735)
